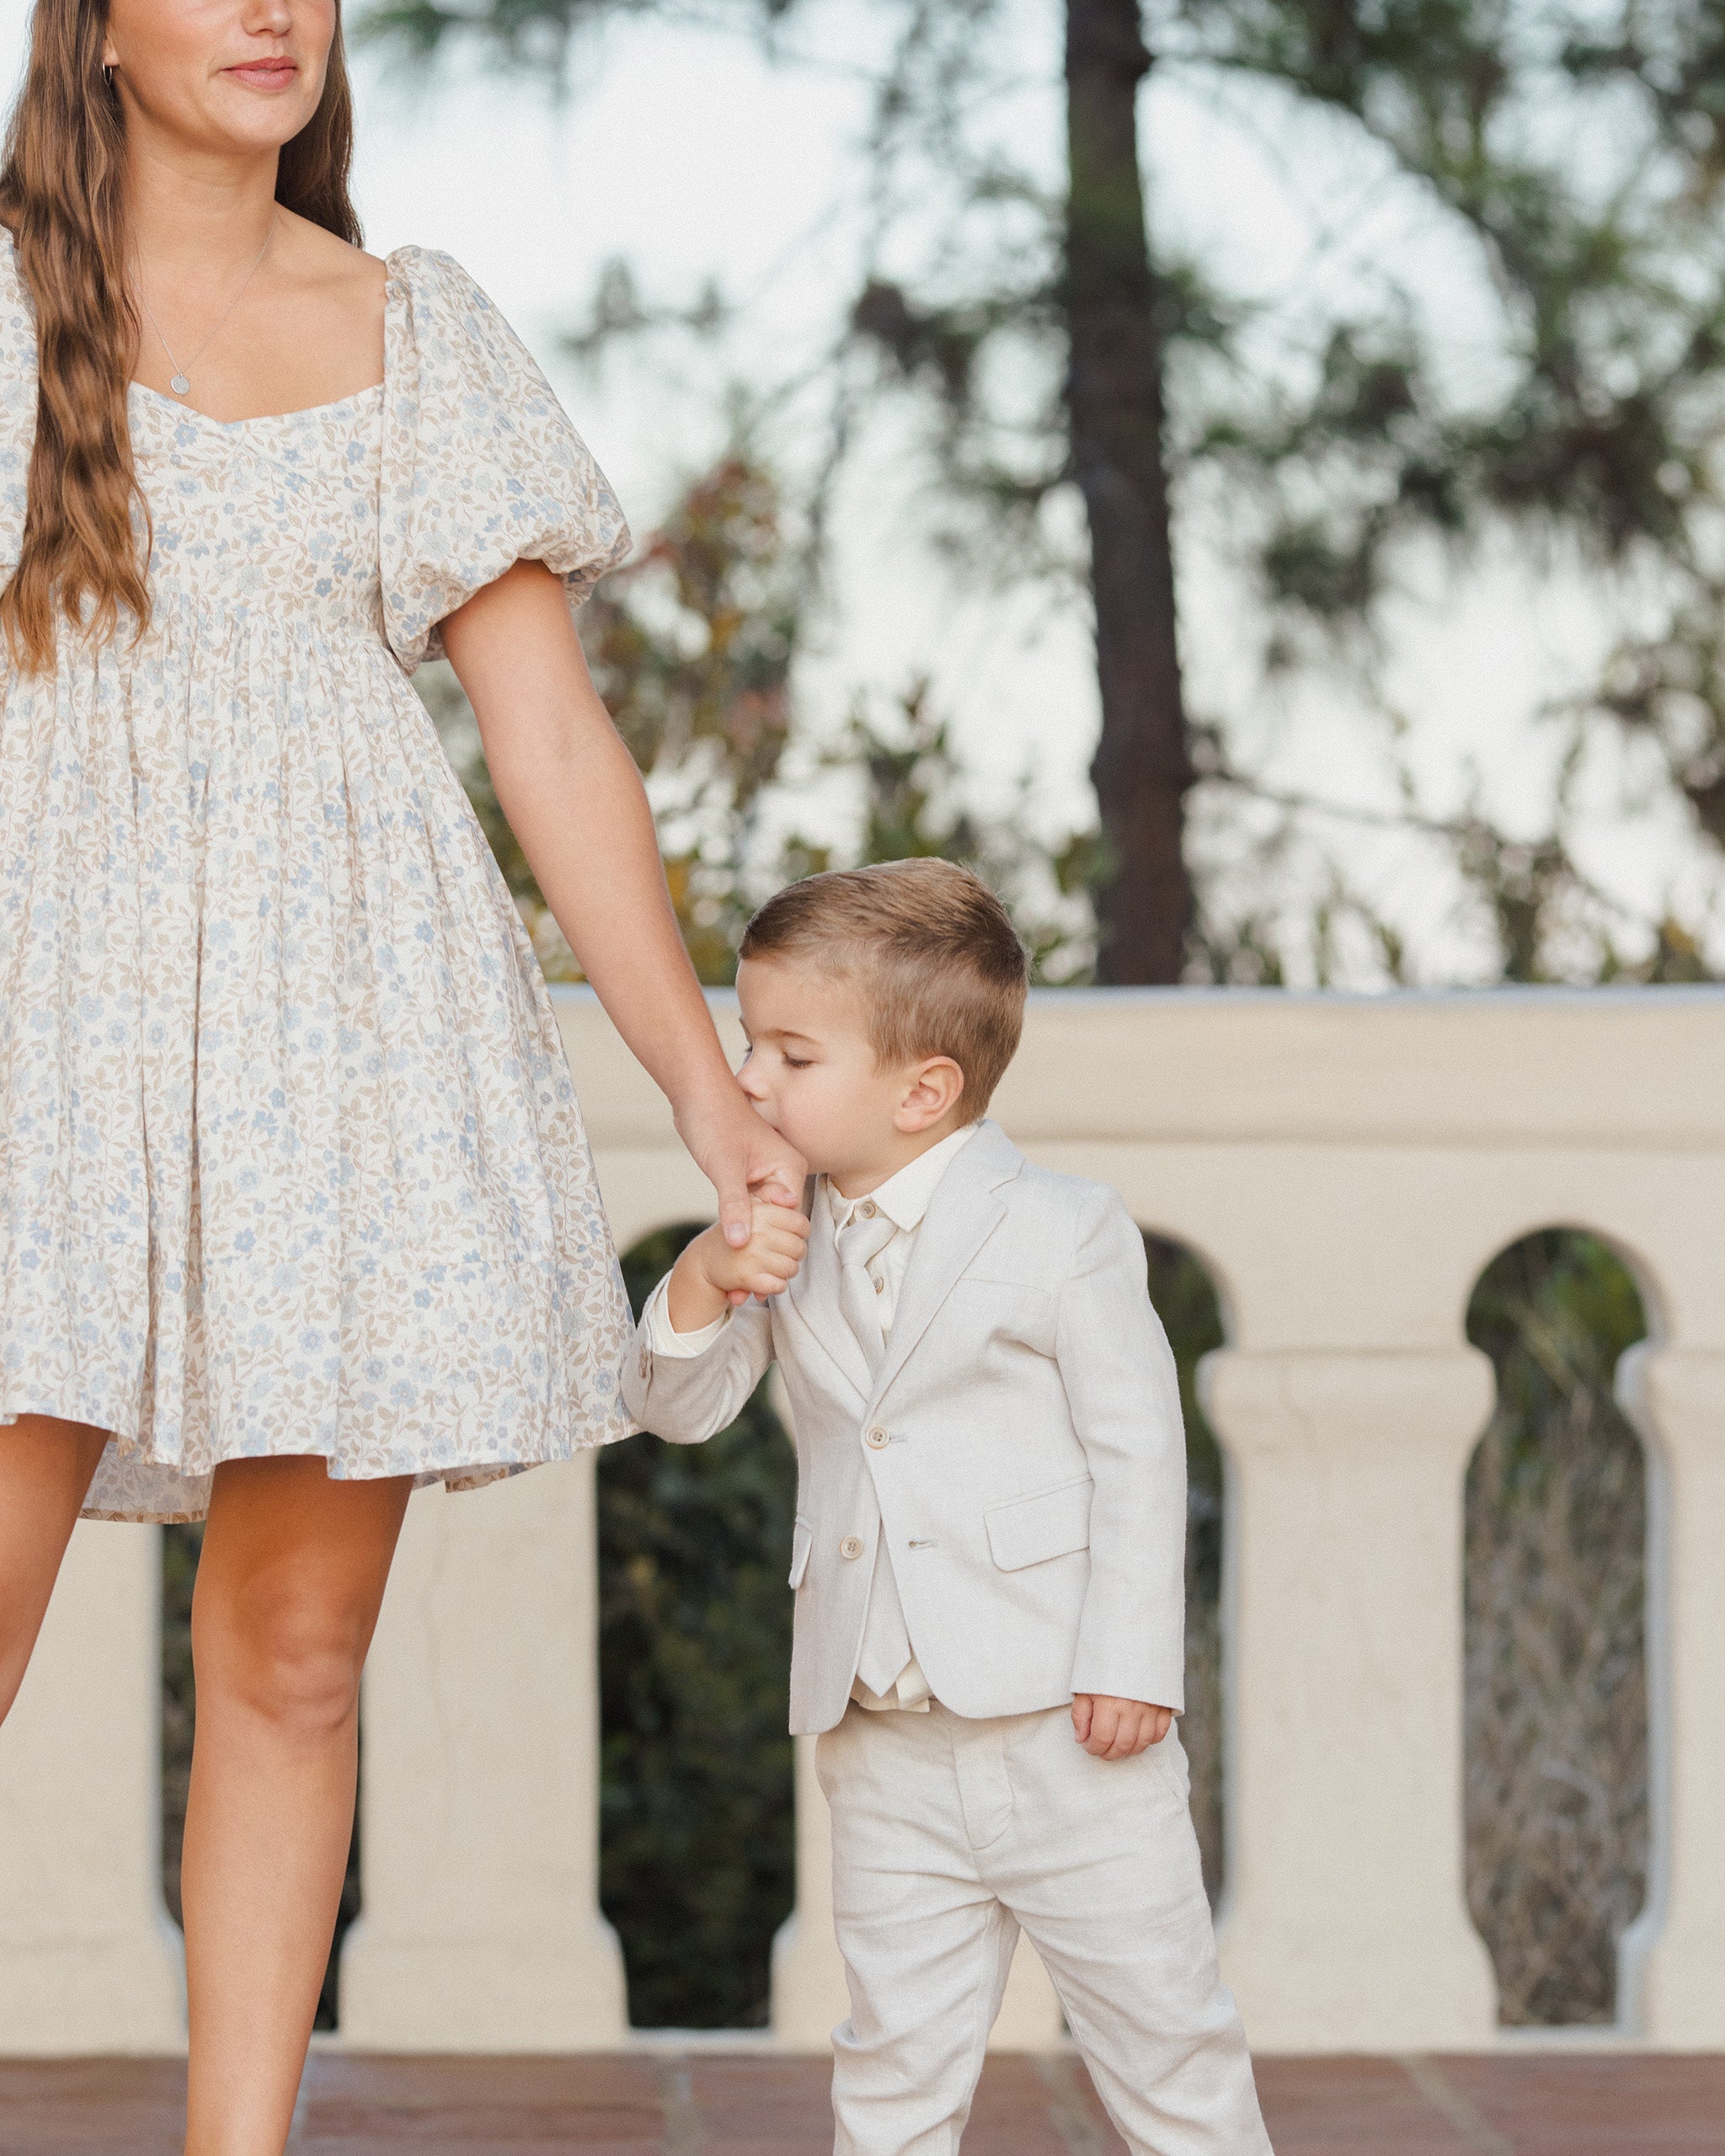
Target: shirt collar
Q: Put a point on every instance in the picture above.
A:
(904, 1197)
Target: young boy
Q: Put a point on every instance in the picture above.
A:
(989, 1553)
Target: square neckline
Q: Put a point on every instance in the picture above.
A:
(391, 282)
(257, 419)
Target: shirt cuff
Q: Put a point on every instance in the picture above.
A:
(663, 1337)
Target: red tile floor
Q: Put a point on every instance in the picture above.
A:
(706, 2104)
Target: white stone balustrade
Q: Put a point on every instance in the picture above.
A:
(1346, 1168)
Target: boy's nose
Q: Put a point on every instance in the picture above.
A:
(749, 1078)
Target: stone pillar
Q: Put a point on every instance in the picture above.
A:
(808, 1995)
(1345, 1927)
(1672, 1962)
(89, 1961)
(479, 1810)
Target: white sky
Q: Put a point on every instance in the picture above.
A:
(687, 152)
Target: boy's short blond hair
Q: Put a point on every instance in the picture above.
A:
(929, 949)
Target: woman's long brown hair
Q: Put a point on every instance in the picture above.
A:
(62, 192)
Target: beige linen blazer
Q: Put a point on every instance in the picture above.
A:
(1020, 1450)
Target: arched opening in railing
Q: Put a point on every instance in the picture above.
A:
(1556, 1798)
(1186, 1301)
(696, 1804)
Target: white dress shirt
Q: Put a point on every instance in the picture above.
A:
(904, 1198)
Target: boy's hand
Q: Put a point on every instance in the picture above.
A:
(1118, 1729)
(710, 1275)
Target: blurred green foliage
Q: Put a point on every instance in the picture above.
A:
(1556, 1312)
(179, 1709)
(692, 645)
(1185, 1300)
(1497, 332)
(1555, 1632)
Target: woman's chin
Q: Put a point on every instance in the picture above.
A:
(251, 123)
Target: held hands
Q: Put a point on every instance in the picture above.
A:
(1118, 1729)
(711, 1274)
(742, 1156)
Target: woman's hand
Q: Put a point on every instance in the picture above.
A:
(743, 1157)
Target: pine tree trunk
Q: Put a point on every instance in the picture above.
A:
(1115, 394)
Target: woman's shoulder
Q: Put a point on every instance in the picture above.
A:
(429, 269)
(438, 290)
(456, 332)
(313, 247)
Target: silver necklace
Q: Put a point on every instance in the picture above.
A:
(178, 381)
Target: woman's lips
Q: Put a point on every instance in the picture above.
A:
(266, 74)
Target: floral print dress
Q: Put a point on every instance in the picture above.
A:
(289, 1158)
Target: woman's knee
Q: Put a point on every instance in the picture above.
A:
(295, 1664)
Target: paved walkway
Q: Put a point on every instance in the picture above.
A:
(708, 2105)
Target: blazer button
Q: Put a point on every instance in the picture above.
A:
(851, 1547)
(876, 1439)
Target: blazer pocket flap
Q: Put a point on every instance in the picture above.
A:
(802, 1542)
(1047, 1524)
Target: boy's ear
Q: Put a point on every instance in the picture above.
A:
(936, 1084)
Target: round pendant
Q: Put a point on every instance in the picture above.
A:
(179, 384)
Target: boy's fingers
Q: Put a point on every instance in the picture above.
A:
(786, 1246)
(781, 1219)
(1118, 1729)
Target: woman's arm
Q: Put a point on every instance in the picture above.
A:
(574, 800)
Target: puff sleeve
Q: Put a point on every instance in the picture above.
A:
(482, 468)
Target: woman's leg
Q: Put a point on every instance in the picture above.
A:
(45, 1467)
(289, 1584)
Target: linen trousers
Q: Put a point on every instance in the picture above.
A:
(948, 1835)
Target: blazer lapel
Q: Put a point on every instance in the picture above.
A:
(813, 1299)
(961, 1216)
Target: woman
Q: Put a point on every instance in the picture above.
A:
(296, 1209)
